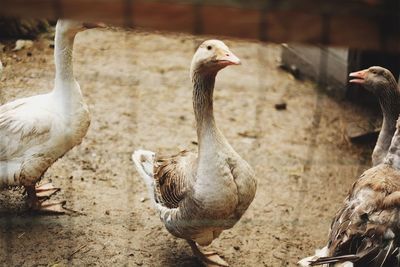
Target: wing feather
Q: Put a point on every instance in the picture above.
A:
(171, 181)
(22, 125)
(365, 230)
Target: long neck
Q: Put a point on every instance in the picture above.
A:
(63, 60)
(393, 156)
(389, 101)
(203, 89)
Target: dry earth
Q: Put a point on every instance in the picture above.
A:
(138, 89)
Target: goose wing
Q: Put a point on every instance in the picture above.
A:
(172, 179)
(366, 230)
(22, 126)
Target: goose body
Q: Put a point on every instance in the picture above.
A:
(38, 130)
(366, 231)
(198, 195)
(35, 132)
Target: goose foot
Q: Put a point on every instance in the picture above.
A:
(55, 208)
(209, 258)
(46, 190)
(37, 203)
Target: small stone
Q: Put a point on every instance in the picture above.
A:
(281, 106)
(143, 199)
(236, 247)
(22, 44)
(107, 212)
(29, 53)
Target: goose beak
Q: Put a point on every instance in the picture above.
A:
(359, 76)
(226, 58)
(92, 25)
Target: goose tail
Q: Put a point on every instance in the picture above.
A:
(321, 259)
(144, 163)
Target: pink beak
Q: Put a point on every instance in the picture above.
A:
(359, 76)
(228, 59)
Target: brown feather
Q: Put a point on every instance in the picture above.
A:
(170, 180)
(366, 229)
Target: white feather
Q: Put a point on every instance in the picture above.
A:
(323, 252)
(35, 131)
(144, 163)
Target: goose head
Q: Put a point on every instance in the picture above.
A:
(70, 28)
(211, 57)
(375, 79)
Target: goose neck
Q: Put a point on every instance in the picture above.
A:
(203, 90)
(63, 58)
(393, 156)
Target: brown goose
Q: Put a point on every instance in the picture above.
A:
(381, 82)
(366, 230)
(200, 195)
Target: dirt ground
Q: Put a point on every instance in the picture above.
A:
(138, 89)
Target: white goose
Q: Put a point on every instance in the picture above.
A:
(199, 196)
(37, 130)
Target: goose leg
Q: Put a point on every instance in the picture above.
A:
(46, 190)
(39, 206)
(210, 258)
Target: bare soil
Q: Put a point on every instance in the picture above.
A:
(138, 89)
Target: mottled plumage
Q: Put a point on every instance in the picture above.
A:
(171, 184)
(366, 230)
(200, 195)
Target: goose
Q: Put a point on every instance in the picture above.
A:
(199, 195)
(382, 83)
(36, 131)
(366, 231)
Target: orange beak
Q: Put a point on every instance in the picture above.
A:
(227, 58)
(359, 76)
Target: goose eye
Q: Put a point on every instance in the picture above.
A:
(209, 47)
